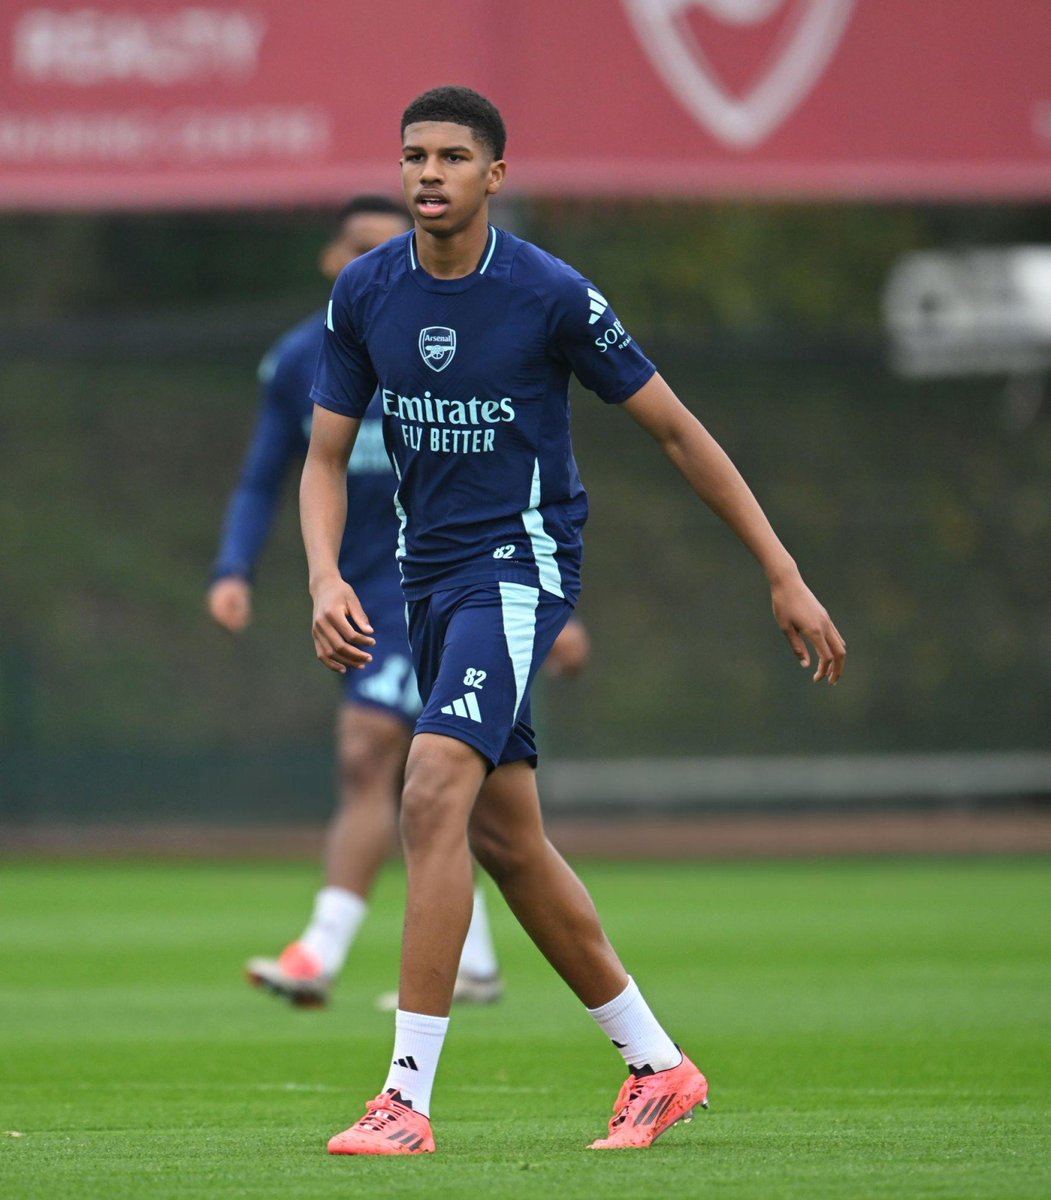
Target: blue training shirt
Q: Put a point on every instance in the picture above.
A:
(473, 375)
(281, 437)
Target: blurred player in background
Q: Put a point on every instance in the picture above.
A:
(472, 335)
(381, 703)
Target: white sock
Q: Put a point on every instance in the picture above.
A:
(479, 953)
(635, 1031)
(335, 921)
(418, 1041)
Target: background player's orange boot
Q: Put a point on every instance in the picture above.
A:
(296, 975)
(389, 1126)
(650, 1104)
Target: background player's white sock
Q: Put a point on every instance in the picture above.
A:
(337, 916)
(635, 1031)
(418, 1041)
(479, 953)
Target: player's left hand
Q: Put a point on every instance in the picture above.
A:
(800, 616)
(571, 651)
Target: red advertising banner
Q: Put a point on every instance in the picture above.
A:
(162, 103)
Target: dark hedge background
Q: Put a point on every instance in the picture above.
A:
(920, 513)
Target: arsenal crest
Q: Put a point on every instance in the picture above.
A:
(437, 346)
(806, 34)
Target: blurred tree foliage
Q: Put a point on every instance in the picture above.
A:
(675, 267)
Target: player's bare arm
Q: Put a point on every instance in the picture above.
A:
(709, 471)
(340, 628)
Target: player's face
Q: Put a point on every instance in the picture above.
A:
(360, 233)
(448, 176)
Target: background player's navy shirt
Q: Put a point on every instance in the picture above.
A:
(473, 375)
(281, 436)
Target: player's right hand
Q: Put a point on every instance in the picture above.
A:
(229, 602)
(341, 630)
(571, 651)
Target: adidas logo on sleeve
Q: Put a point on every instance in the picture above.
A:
(598, 305)
(466, 707)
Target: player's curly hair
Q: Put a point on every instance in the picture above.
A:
(460, 106)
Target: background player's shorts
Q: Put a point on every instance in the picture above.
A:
(388, 682)
(477, 650)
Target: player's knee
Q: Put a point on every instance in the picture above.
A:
(499, 855)
(432, 813)
(370, 756)
(359, 762)
(442, 778)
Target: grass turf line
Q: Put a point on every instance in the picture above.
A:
(870, 1030)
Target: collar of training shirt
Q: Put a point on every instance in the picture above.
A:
(430, 284)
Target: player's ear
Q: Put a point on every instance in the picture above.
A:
(331, 260)
(497, 171)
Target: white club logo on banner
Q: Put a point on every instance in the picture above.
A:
(810, 37)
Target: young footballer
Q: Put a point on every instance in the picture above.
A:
(471, 335)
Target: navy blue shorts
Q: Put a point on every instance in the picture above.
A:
(477, 650)
(388, 682)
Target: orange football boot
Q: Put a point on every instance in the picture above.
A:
(650, 1104)
(389, 1126)
(296, 975)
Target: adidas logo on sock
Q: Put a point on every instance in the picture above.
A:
(408, 1061)
(598, 305)
(466, 706)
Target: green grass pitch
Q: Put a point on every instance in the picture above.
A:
(875, 1029)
